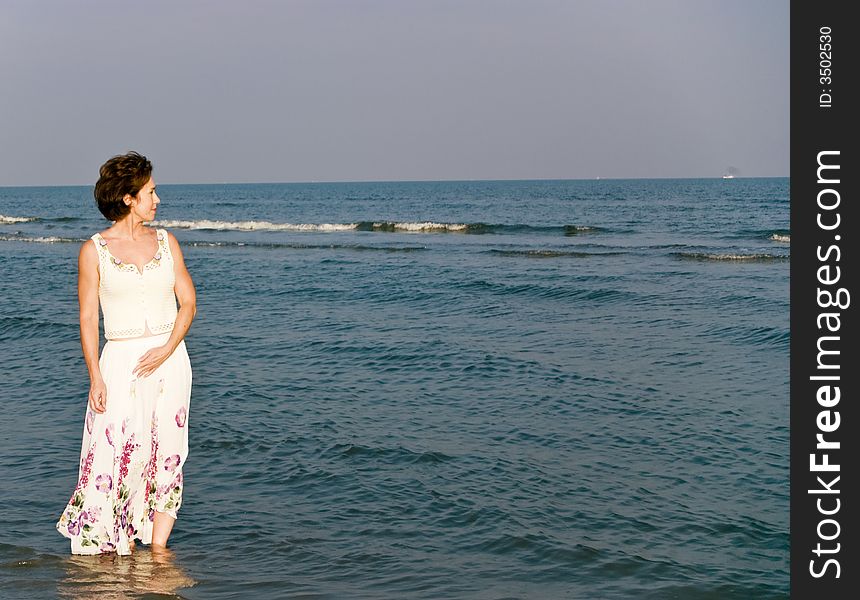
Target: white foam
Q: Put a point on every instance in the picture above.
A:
(269, 226)
(38, 240)
(255, 225)
(778, 237)
(425, 226)
(740, 256)
(6, 220)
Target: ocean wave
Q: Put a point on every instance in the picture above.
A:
(375, 226)
(549, 253)
(395, 455)
(253, 225)
(422, 227)
(4, 220)
(205, 244)
(273, 245)
(24, 327)
(38, 239)
(774, 235)
(556, 292)
(470, 228)
(706, 256)
(758, 336)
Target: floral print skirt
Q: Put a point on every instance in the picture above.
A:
(133, 453)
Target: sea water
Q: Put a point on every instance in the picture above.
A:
(483, 389)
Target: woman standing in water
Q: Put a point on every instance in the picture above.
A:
(135, 437)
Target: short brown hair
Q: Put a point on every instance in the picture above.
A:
(120, 175)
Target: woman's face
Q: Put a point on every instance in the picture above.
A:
(145, 203)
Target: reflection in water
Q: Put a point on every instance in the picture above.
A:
(108, 576)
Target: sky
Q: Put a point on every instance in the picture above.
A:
(382, 90)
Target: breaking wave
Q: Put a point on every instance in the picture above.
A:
(376, 226)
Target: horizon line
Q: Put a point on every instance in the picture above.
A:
(320, 181)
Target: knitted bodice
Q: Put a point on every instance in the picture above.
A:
(132, 299)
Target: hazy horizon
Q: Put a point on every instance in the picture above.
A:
(84, 185)
(382, 90)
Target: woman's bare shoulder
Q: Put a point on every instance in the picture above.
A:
(88, 249)
(88, 256)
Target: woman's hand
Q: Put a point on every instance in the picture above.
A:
(98, 395)
(150, 361)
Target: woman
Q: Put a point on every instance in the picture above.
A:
(135, 436)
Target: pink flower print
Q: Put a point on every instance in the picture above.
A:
(104, 483)
(171, 462)
(165, 489)
(90, 417)
(180, 416)
(95, 512)
(109, 430)
(86, 468)
(74, 527)
(125, 458)
(83, 517)
(107, 547)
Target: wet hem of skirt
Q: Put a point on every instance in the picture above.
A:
(132, 540)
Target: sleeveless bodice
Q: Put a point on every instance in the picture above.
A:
(131, 299)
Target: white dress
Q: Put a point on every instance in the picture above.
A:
(132, 454)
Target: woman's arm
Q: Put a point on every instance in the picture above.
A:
(88, 301)
(185, 293)
(184, 289)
